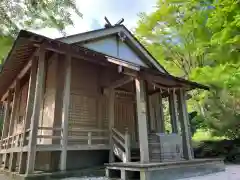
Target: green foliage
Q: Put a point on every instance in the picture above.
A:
(30, 14)
(5, 44)
(221, 105)
(226, 149)
(177, 35)
(196, 122)
(199, 40)
(15, 14)
(224, 22)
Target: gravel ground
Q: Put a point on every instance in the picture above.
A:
(232, 173)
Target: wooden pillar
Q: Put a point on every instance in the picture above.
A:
(184, 120)
(145, 175)
(13, 123)
(6, 115)
(111, 109)
(148, 112)
(142, 119)
(13, 161)
(65, 113)
(36, 111)
(152, 104)
(173, 111)
(14, 107)
(28, 114)
(160, 115)
(6, 162)
(59, 87)
(124, 174)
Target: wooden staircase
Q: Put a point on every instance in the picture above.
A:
(124, 153)
(165, 147)
(121, 147)
(154, 148)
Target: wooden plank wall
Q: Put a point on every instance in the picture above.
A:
(21, 108)
(125, 114)
(88, 105)
(48, 106)
(85, 99)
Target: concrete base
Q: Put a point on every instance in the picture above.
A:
(49, 161)
(168, 170)
(91, 172)
(47, 165)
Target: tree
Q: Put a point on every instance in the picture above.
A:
(17, 14)
(224, 23)
(221, 105)
(199, 40)
(177, 35)
(32, 14)
(5, 44)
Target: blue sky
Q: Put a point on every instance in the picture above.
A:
(95, 10)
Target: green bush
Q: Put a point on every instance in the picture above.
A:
(229, 150)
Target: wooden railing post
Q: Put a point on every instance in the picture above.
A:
(127, 146)
(89, 138)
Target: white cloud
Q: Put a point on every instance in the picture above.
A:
(94, 11)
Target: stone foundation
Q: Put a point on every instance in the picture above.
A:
(166, 170)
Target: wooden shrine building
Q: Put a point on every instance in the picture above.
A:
(89, 99)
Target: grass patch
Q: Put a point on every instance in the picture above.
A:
(204, 135)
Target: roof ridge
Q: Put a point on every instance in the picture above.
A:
(91, 31)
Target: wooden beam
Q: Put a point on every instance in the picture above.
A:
(129, 71)
(21, 73)
(158, 81)
(28, 113)
(185, 126)
(123, 63)
(36, 110)
(142, 119)
(167, 88)
(77, 52)
(60, 48)
(65, 113)
(119, 82)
